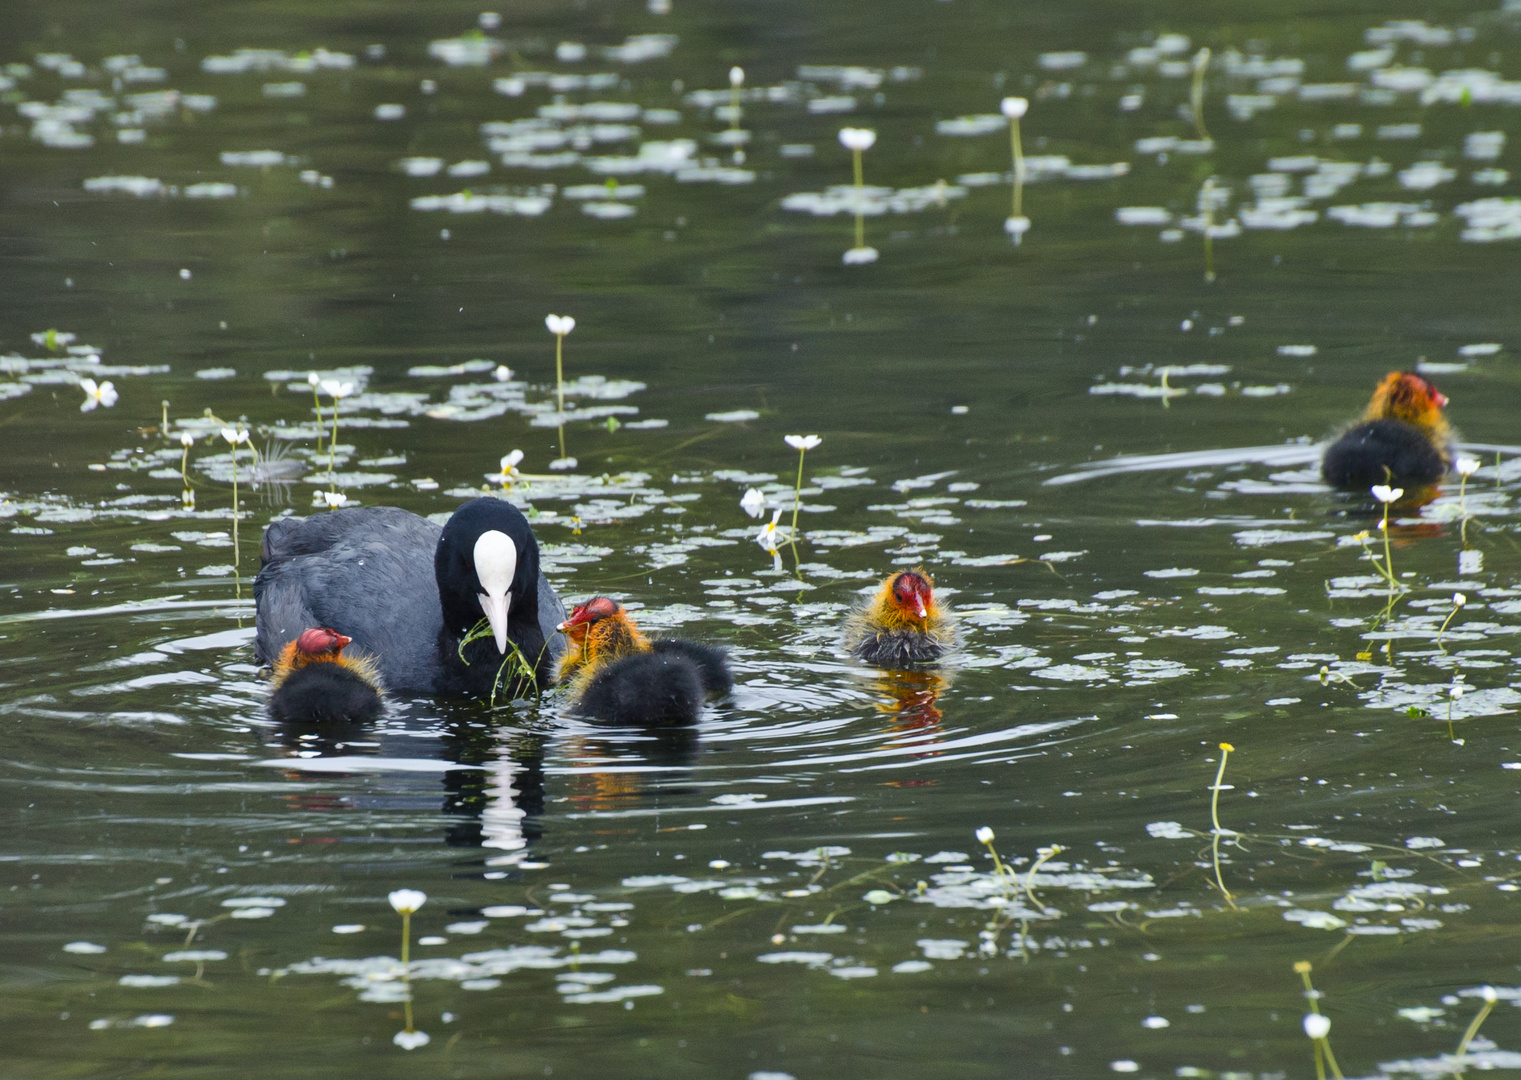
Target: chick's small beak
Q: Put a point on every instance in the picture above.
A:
(342, 640)
(919, 608)
(1441, 400)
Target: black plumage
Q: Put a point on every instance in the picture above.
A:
(712, 664)
(657, 688)
(897, 649)
(324, 693)
(407, 593)
(1383, 452)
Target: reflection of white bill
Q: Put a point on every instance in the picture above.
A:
(502, 819)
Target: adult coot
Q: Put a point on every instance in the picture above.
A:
(617, 674)
(901, 625)
(1403, 438)
(316, 682)
(439, 611)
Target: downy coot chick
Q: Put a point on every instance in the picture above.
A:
(615, 673)
(315, 682)
(1403, 439)
(901, 625)
(439, 611)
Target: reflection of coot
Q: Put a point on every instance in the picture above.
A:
(1403, 438)
(409, 594)
(498, 806)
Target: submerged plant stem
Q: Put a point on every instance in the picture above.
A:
(797, 490)
(1214, 813)
(855, 156)
(1196, 93)
(1019, 166)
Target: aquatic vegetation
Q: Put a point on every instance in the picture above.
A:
(1317, 1026)
(559, 326)
(802, 444)
(1017, 225)
(858, 141)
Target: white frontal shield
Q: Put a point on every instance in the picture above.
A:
(496, 560)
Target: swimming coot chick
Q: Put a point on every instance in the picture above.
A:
(1403, 438)
(439, 611)
(315, 682)
(901, 625)
(615, 673)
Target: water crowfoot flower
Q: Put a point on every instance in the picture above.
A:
(97, 394)
(315, 382)
(802, 444)
(334, 499)
(559, 326)
(1017, 224)
(857, 141)
(510, 468)
(767, 537)
(1317, 1026)
(1386, 494)
(235, 437)
(753, 502)
(1214, 813)
(407, 901)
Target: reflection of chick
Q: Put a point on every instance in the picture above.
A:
(902, 624)
(1403, 438)
(315, 682)
(615, 673)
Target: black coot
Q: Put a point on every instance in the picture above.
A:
(408, 593)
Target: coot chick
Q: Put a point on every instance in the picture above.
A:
(1403, 438)
(901, 625)
(316, 682)
(615, 673)
(439, 611)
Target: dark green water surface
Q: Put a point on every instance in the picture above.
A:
(1107, 462)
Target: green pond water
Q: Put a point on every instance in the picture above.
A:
(1108, 463)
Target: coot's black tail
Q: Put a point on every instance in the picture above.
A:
(324, 693)
(712, 663)
(653, 688)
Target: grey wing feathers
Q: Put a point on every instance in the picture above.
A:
(365, 572)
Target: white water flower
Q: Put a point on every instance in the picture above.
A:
(97, 394)
(1014, 107)
(1467, 466)
(187, 439)
(802, 442)
(334, 499)
(1489, 995)
(860, 256)
(1456, 691)
(1386, 494)
(767, 537)
(857, 138)
(411, 1040)
(406, 901)
(984, 835)
(736, 76)
(313, 379)
(510, 462)
(559, 325)
(753, 503)
(1016, 226)
(235, 436)
(1458, 599)
(503, 373)
(879, 897)
(335, 389)
(1317, 1026)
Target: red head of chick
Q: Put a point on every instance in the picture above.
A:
(902, 624)
(596, 633)
(314, 681)
(1402, 440)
